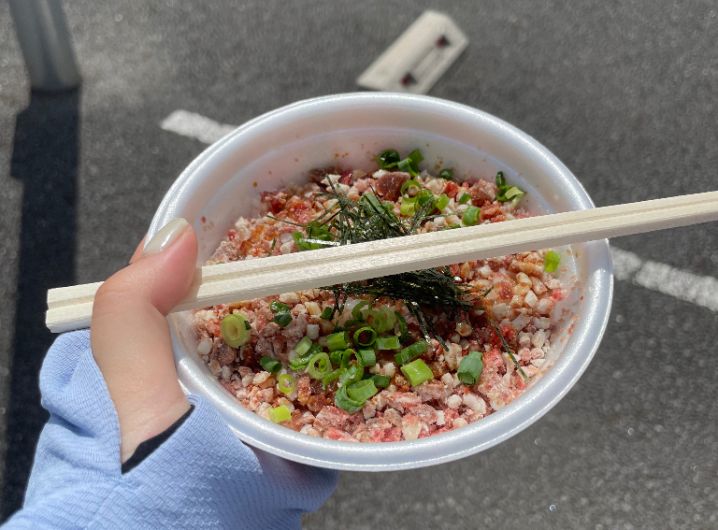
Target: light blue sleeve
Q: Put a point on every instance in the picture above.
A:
(201, 477)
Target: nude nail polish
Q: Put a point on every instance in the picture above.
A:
(166, 236)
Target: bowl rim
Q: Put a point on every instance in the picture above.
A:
(445, 447)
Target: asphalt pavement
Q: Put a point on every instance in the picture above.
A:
(624, 93)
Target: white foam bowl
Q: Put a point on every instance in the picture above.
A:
(279, 147)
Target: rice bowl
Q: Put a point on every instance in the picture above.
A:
(221, 184)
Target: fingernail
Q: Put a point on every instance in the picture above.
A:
(166, 236)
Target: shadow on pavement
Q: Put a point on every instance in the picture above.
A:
(45, 158)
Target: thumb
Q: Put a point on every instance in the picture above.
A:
(130, 335)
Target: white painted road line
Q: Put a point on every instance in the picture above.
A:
(195, 126)
(684, 285)
(627, 266)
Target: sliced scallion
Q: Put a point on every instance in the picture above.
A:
(358, 310)
(381, 381)
(280, 414)
(283, 319)
(319, 365)
(366, 356)
(331, 377)
(299, 363)
(442, 201)
(382, 319)
(514, 193)
(362, 390)
(351, 373)
(500, 180)
(337, 341)
(364, 336)
(551, 260)
(409, 185)
(286, 384)
(417, 372)
(327, 313)
(464, 198)
(470, 368)
(388, 343)
(234, 330)
(402, 328)
(471, 215)
(424, 197)
(407, 207)
(406, 166)
(416, 158)
(411, 352)
(278, 307)
(302, 347)
(341, 358)
(344, 402)
(388, 159)
(270, 364)
(446, 173)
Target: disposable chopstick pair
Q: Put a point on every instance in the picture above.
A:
(71, 307)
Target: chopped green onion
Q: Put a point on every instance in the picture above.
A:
(388, 343)
(270, 364)
(319, 365)
(514, 193)
(409, 184)
(283, 319)
(464, 198)
(471, 215)
(299, 363)
(286, 384)
(500, 180)
(388, 159)
(331, 377)
(381, 381)
(551, 260)
(364, 336)
(470, 368)
(280, 414)
(372, 204)
(366, 356)
(316, 348)
(442, 201)
(389, 318)
(316, 233)
(357, 312)
(341, 358)
(403, 328)
(234, 330)
(406, 166)
(447, 173)
(351, 373)
(417, 372)
(327, 313)
(407, 207)
(382, 319)
(507, 193)
(416, 158)
(302, 347)
(337, 341)
(411, 352)
(424, 197)
(278, 307)
(344, 402)
(362, 390)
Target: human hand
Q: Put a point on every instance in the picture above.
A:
(130, 336)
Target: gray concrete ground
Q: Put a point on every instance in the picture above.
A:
(623, 92)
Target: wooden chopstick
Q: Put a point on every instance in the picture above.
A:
(71, 307)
